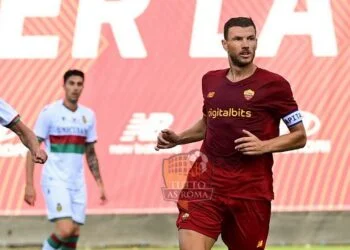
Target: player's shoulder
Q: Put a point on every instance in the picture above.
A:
(213, 77)
(215, 73)
(271, 77)
(86, 110)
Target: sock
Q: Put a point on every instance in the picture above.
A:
(70, 243)
(53, 242)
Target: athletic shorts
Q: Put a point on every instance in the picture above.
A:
(243, 223)
(64, 202)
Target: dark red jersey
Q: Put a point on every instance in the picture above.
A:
(256, 104)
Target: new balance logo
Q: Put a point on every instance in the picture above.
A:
(141, 132)
(143, 128)
(260, 244)
(10, 149)
(6, 134)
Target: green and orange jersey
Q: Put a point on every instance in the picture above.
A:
(65, 134)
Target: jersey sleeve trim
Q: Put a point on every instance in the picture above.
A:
(40, 139)
(91, 142)
(14, 121)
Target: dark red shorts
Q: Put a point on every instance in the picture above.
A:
(243, 223)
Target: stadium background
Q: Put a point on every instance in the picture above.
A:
(144, 74)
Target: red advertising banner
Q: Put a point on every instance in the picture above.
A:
(144, 60)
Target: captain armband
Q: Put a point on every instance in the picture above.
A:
(292, 119)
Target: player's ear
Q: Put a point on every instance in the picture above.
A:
(224, 44)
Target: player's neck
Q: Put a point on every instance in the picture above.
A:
(72, 106)
(236, 74)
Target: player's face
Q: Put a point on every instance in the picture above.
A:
(73, 88)
(241, 45)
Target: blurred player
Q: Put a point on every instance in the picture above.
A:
(10, 119)
(68, 130)
(242, 109)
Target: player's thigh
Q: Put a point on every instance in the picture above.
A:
(192, 240)
(246, 226)
(79, 200)
(204, 217)
(58, 202)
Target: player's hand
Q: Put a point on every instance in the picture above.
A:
(167, 139)
(103, 196)
(250, 144)
(30, 195)
(39, 156)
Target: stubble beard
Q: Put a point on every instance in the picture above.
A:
(237, 62)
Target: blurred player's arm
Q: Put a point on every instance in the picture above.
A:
(251, 145)
(29, 140)
(30, 193)
(168, 138)
(93, 164)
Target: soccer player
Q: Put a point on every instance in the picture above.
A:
(243, 105)
(10, 119)
(69, 131)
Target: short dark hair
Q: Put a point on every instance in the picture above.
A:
(73, 72)
(238, 21)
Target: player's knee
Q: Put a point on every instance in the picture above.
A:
(66, 231)
(193, 246)
(190, 240)
(76, 230)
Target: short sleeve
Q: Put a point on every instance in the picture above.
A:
(8, 115)
(42, 125)
(91, 133)
(283, 103)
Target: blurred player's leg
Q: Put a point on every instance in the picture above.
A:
(246, 225)
(191, 240)
(199, 224)
(53, 242)
(64, 237)
(72, 241)
(59, 206)
(78, 206)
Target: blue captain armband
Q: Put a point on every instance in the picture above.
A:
(292, 119)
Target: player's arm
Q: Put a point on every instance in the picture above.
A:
(41, 129)
(93, 164)
(29, 140)
(195, 133)
(294, 140)
(29, 193)
(168, 138)
(251, 145)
